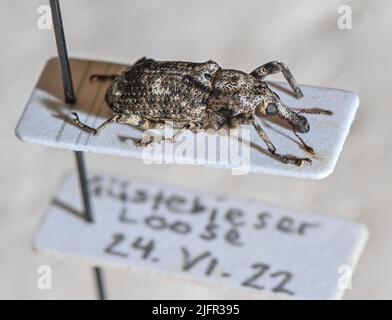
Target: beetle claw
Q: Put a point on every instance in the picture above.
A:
(298, 93)
(300, 161)
(291, 159)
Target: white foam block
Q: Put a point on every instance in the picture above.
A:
(228, 242)
(46, 121)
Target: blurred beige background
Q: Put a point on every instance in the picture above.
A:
(237, 34)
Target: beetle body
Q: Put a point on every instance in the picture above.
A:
(193, 94)
(199, 95)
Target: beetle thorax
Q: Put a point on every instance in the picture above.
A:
(236, 91)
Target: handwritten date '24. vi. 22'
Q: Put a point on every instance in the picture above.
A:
(163, 211)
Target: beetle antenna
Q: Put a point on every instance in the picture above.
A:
(316, 111)
(304, 145)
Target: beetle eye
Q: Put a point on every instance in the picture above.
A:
(272, 109)
(208, 76)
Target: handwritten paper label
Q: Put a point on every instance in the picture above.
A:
(226, 241)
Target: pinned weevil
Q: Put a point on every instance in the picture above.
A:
(199, 95)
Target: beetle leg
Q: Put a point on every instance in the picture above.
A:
(137, 121)
(103, 77)
(241, 119)
(272, 149)
(275, 67)
(144, 124)
(172, 139)
(94, 131)
(175, 135)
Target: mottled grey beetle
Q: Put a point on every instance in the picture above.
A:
(199, 95)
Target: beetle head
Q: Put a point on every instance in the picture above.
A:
(273, 106)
